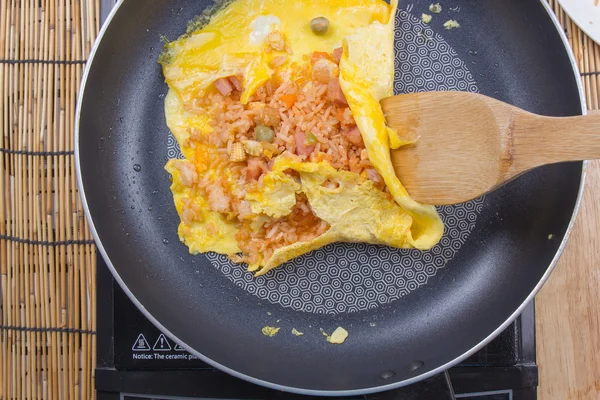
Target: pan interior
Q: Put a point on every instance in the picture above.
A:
(490, 265)
(351, 277)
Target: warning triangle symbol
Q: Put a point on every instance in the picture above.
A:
(178, 348)
(141, 344)
(161, 344)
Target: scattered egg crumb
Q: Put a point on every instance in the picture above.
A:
(270, 331)
(435, 8)
(323, 332)
(426, 18)
(338, 336)
(278, 321)
(451, 24)
(550, 236)
(269, 313)
(296, 332)
(373, 324)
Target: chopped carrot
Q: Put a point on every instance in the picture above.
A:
(288, 100)
(317, 55)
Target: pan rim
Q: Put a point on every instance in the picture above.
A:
(317, 392)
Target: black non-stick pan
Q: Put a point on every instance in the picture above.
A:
(409, 314)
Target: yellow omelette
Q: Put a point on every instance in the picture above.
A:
(232, 44)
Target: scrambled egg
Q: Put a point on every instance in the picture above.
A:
(354, 209)
(296, 332)
(338, 336)
(366, 77)
(451, 24)
(210, 230)
(277, 197)
(232, 44)
(270, 331)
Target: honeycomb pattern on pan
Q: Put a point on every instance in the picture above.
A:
(425, 62)
(351, 277)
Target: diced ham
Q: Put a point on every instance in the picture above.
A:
(236, 83)
(303, 148)
(353, 135)
(337, 54)
(340, 114)
(324, 70)
(255, 168)
(224, 86)
(335, 94)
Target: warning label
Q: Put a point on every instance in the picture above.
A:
(161, 344)
(178, 348)
(160, 351)
(141, 344)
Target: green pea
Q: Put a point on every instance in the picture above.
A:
(319, 25)
(264, 133)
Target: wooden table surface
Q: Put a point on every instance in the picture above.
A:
(568, 309)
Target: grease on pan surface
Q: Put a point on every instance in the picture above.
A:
(286, 147)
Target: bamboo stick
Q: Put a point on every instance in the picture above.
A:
(4, 363)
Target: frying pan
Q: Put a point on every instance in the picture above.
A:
(409, 314)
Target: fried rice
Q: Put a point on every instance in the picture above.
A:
(305, 120)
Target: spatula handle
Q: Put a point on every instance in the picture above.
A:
(547, 140)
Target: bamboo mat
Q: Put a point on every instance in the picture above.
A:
(47, 257)
(587, 54)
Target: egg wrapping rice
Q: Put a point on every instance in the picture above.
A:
(235, 122)
(275, 163)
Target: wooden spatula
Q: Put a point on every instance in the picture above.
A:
(470, 144)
